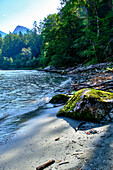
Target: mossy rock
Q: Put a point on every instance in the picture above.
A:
(88, 104)
(59, 98)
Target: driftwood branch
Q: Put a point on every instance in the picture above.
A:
(91, 67)
(63, 163)
(104, 85)
(106, 82)
(107, 88)
(77, 128)
(45, 165)
(109, 116)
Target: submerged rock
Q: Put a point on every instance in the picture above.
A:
(88, 104)
(59, 98)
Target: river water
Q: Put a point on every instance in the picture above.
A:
(21, 94)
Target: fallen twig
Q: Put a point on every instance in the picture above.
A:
(95, 85)
(77, 128)
(109, 116)
(45, 165)
(63, 163)
(102, 86)
(74, 141)
(77, 153)
(107, 88)
(57, 139)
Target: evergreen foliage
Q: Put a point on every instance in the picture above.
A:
(82, 31)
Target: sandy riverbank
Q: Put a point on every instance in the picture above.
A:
(35, 144)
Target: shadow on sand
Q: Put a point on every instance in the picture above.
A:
(100, 159)
(102, 156)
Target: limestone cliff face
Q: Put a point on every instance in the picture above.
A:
(88, 104)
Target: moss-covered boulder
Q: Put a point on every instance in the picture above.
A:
(59, 98)
(88, 104)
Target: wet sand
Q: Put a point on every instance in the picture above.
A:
(48, 137)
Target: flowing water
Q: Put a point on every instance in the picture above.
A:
(21, 93)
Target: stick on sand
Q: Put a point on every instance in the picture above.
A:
(45, 165)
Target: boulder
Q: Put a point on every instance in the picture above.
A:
(59, 98)
(88, 104)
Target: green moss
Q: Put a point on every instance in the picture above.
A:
(70, 104)
(109, 69)
(99, 94)
(59, 98)
(84, 115)
(76, 108)
(74, 99)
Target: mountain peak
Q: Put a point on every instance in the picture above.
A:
(2, 34)
(21, 29)
(17, 30)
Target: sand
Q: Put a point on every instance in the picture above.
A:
(47, 137)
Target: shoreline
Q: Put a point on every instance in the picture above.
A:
(49, 137)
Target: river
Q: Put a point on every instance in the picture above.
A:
(22, 92)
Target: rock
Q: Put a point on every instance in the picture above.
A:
(47, 68)
(59, 98)
(66, 84)
(50, 69)
(88, 104)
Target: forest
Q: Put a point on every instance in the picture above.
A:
(80, 33)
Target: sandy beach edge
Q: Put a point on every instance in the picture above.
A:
(46, 137)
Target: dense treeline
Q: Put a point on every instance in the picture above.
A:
(81, 32)
(20, 51)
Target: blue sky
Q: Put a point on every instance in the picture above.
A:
(24, 12)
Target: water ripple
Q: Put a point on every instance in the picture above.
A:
(22, 92)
